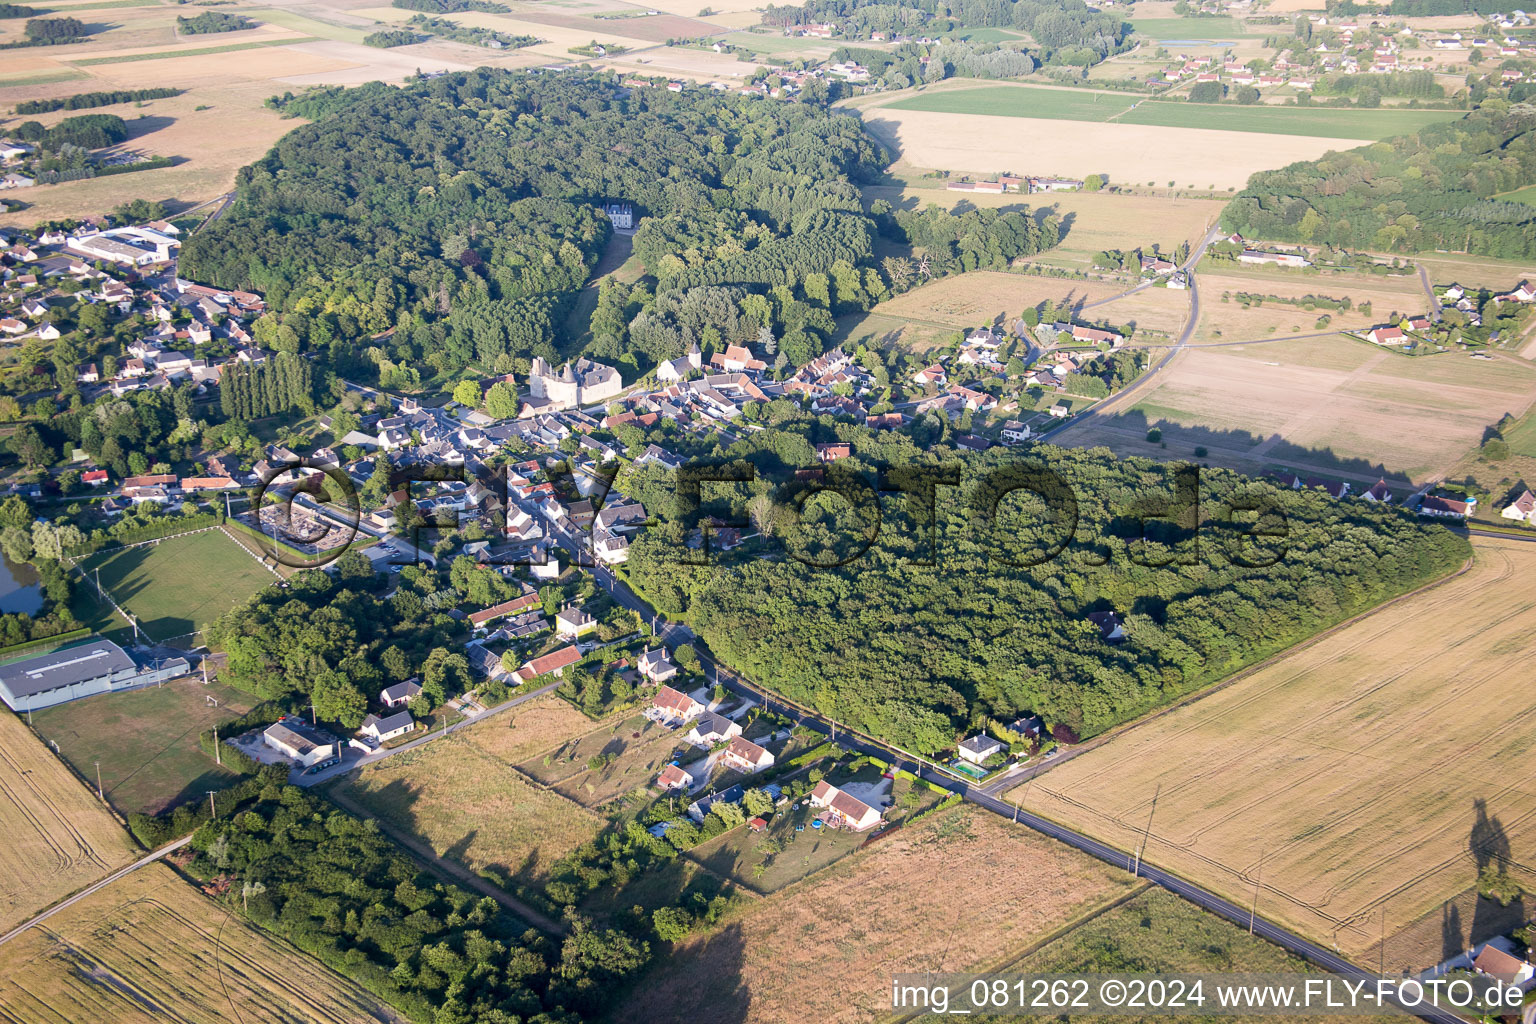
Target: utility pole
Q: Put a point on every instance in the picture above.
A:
(1147, 834)
(216, 758)
(1383, 968)
(1253, 911)
(312, 720)
(212, 809)
(99, 794)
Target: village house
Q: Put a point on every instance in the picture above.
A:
(745, 756)
(657, 665)
(399, 694)
(1108, 624)
(1379, 492)
(1521, 508)
(1387, 335)
(671, 705)
(1505, 967)
(389, 727)
(978, 748)
(555, 663)
(674, 778)
(844, 809)
(1015, 432)
(1446, 508)
(94, 477)
(1284, 259)
(710, 728)
(573, 622)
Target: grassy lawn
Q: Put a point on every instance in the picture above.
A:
(146, 741)
(1191, 28)
(1521, 437)
(180, 584)
(1316, 121)
(989, 35)
(1021, 101)
(1524, 195)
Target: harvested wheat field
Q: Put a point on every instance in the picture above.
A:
(1223, 318)
(979, 297)
(150, 947)
(825, 949)
(472, 808)
(1191, 157)
(1332, 406)
(1153, 309)
(58, 836)
(1377, 768)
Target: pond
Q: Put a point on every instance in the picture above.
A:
(19, 588)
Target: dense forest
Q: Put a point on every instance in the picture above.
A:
(1436, 189)
(1067, 31)
(918, 653)
(453, 221)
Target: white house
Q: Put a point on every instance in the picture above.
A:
(400, 694)
(978, 748)
(1521, 508)
(710, 728)
(389, 727)
(843, 808)
(657, 665)
(574, 622)
(745, 756)
(674, 705)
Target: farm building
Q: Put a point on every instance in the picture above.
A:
(297, 739)
(97, 666)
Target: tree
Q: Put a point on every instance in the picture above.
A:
(467, 392)
(1246, 95)
(671, 923)
(501, 402)
(336, 699)
(757, 802)
(1093, 182)
(28, 446)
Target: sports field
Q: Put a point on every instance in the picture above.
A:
(150, 948)
(180, 584)
(58, 836)
(1373, 772)
(146, 741)
(1329, 406)
(1085, 105)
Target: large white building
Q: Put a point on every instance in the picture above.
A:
(96, 666)
(583, 382)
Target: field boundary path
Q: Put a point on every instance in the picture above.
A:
(454, 871)
(88, 890)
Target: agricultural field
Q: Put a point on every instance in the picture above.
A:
(842, 933)
(1153, 309)
(1090, 221)
(1155, 932)
(472, 808)
(981, 296)
(530, 728)
(1184, 157)
(146, 741)
(1331, 406)
(154, 583)
(1224, 319)
(59, 837)
(1087, 105)
(151, 948)
(1320, 764)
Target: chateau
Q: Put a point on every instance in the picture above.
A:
(582, 383)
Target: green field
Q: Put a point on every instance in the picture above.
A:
(146, 741)
(989, 35)
(1328, 123)
(1525, 195)
(178, 585)
(199, 52)
(1086, 105)
(1022, 101)
(1203, 29)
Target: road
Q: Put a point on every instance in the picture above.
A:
(1434, 300)
(83, 893)
(1189, 331)
(676, 633)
